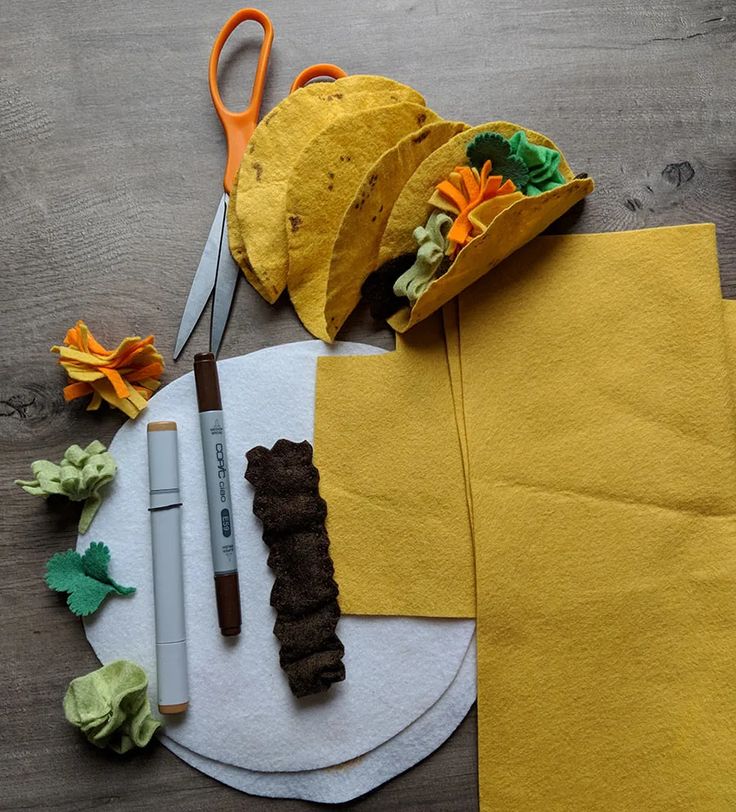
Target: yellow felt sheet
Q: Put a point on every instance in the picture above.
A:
(593, 410)
(391, 471)
(383, 422)
(600, 424)
(606, 648)
(597, 363)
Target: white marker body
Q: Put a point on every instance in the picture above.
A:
(219, 504)
(168, 581)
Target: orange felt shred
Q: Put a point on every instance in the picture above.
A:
(476, 190)
(125, 377)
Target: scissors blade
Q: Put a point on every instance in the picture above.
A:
(227, 277)
(204, 280)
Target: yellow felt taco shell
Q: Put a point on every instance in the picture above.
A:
(235, 237)
(355, 250)
(322, 186)
(511, 228)
(259, 244)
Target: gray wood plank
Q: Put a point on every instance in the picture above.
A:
(110, 169)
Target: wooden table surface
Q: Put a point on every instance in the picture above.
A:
(110, 166)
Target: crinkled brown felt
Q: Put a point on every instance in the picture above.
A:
(288, 503)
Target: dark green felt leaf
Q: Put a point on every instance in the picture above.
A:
(488, 146)
(85, 578)
(87, 600)
(493, 147)
(96, 560)
(64, 571)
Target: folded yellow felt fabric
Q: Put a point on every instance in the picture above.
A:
(600, 422)
(391, 471)
(592, 380)
(451, 327)
(597, 363)
(729, 326)
(392, 486)
(606, 648)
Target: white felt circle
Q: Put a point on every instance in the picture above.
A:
(241, 710)
(344, 782)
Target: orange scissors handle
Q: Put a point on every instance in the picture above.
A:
(239, 126)
(315, 72)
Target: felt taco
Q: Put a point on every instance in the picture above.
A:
(257, 211)
(469, 205)
(355, 249)
(322, 187)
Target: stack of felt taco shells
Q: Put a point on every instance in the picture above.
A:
(356, 188)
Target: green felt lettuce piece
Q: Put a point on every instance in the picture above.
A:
(432, 241)
(493, 147)
(110, 706)
(84, 577)
(80, 476)
(542, 162)
(532, 167)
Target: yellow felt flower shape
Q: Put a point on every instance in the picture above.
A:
(475, 190)
(439, 201)
(125, 377)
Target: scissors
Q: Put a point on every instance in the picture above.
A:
(217, 270)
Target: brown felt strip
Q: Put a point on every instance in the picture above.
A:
(304, 594)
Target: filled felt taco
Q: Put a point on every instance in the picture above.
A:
(322, 187)
(355, 249)
(257, 211)
(469, 205)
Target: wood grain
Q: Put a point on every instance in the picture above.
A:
(110, 167)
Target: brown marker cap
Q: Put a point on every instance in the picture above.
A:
(227, 591)
(208, 384)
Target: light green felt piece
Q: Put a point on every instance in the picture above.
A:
(432, 240)
(80, 476)
(110, 706)
(84, 577)
(543, 164)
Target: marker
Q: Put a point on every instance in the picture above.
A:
(217, 478)
(168, 579)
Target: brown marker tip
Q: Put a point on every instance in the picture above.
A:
(207, 382)
(227, 590)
